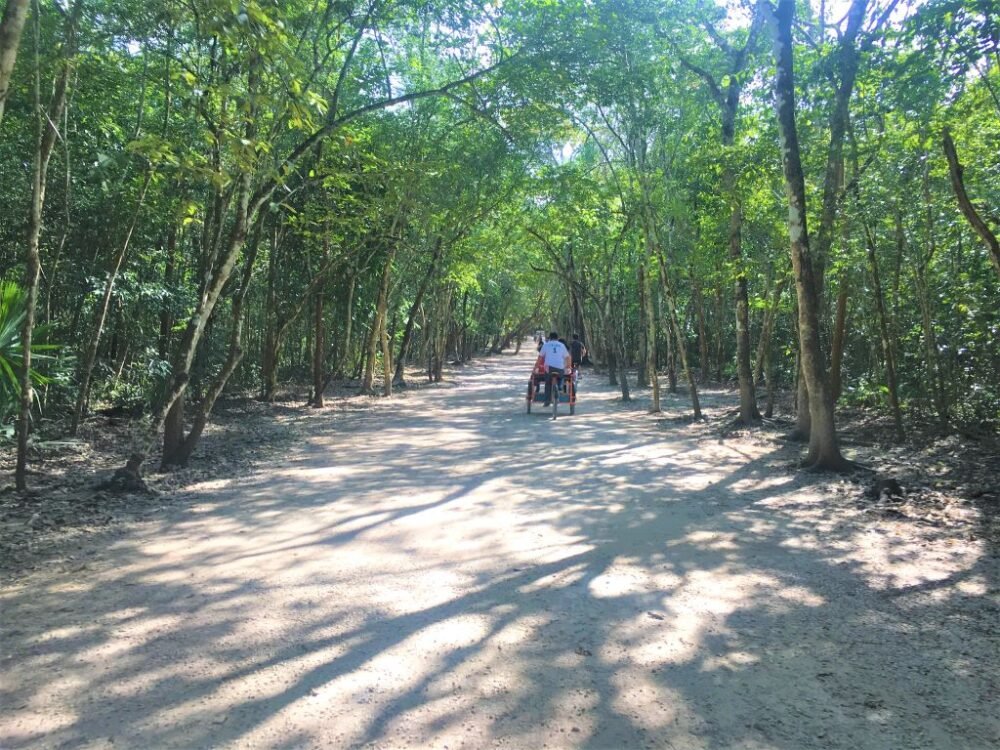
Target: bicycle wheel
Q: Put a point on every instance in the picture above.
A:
(555, 397)
(531, 395)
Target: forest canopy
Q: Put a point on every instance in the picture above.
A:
(211, 196)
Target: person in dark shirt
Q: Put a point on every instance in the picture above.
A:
(577, 351)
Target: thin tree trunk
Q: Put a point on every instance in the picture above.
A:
(217, 276)
(378, 322)
(179, 451)
(671, 352)
(824, 452)
(319, 357)
(932, 363)
(14, 16)
(838, 340)
(90, 357)
(404, 345)
(772, 385)
(642, 370)
(883, 327)
(681, 344)
(965, 204)
(46, 139)
(386, 350)
(345, 349)
(699, 308)
(748, 396)
(650, 353)
(276, 335)
(767, 328)
(166, 313)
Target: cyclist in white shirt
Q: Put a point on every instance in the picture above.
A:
(557, 361)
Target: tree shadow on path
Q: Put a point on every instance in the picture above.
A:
(446, 570)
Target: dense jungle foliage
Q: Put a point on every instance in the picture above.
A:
(217, 196)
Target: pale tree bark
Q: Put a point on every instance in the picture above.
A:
(384, 339)
(15, 14)
(650, 319)
(965, 204)
(824, 452)
(378, 322)
(642, 370)
(45, 143)
(319, 356)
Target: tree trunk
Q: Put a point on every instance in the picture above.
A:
(650, 353)
(772, 385)
(378, 322)
(642, 370)
(166, 314)
(14, 15)
(269, 353)
(671, 353)
(90, 357)
(45, 142)
(404, 345)
(847, 68)
(699, 309)
(824, 452)
(675, 324)
(218, 275)
(656, 248)
(965, 204)
(767, 328)
(748, 395)
(883, 327)
(173, 431)
(319, 356)
(386, 350)
(838, 340)
(720, 343)
(345, 348)
(180, 448)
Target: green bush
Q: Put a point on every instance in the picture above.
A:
(13, 308)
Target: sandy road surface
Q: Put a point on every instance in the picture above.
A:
(446, 571)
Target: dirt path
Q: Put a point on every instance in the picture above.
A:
(445, 571)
